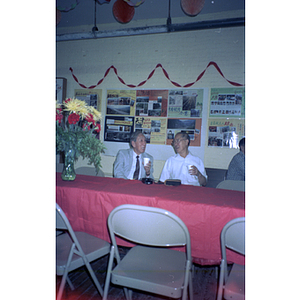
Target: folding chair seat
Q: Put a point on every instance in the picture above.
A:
(150, 265)
(74, 250)
(232, 285)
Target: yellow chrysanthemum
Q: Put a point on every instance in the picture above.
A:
(77, 106)
(96, 114)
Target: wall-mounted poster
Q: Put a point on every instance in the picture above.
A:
(225, 133)
(118, 129)
(120, 102)
(151, 103)
(91, 96)
(185, 103)
(61, 89)
(153, 128)
(227, 102)
(190, 126)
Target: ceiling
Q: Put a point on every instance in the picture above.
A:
(83, 11)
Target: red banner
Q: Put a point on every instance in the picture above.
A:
(151, 74)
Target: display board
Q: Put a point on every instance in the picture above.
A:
(226, 123)
(158, 114)
(91, 96)
(212, 117)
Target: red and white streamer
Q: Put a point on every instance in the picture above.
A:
(151, 74)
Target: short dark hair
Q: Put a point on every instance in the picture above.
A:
(242, 143)
(185, 135)
(134, 136)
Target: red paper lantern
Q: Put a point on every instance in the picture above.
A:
(192, 7)
(122, 11)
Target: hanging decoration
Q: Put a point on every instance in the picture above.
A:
(192, 7)
(212, 63)
(122, 11)
(135, 3)
(68, 8)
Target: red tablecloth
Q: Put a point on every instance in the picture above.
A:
(88, 200)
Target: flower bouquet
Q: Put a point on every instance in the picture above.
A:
(77, 134)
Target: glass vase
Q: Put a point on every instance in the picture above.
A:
(68, 172)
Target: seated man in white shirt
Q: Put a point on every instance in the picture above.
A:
(129, 163)
(184, 166)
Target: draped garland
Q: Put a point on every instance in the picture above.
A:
(151, 74)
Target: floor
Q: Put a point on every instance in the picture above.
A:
(204, 284)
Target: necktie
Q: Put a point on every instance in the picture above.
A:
(137, 169)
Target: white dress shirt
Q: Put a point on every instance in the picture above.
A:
(176, 167)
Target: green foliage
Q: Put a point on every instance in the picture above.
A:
(77, 126)
(84, 142)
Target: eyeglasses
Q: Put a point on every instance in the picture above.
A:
(178, 141)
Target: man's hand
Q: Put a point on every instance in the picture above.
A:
(194, 171)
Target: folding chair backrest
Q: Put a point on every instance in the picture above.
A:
(233, 236)
(235, 185)
(62, 222)
(148, 226)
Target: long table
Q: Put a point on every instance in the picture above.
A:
(88, 200)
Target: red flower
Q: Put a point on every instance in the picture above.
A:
(85, 126)
(59, 117)
(68, 100)
(90, 119)
(98, 128)
(73, 118)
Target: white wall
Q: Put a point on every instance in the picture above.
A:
(183, 54)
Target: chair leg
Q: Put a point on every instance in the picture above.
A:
(96, 282)
(191, 292)
(221, 281)
(187, 279)
(65, 275)
(70, 283)
(130, 294)
(108, 274)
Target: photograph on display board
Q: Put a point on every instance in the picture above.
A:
(151, 103)
(92, 97)
(225, 133)
(120, 102)
(118, 129)
(153, 128)
(191, 126)
(185, 103)
(227, 102)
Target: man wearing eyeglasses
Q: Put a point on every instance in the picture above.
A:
(184, 166)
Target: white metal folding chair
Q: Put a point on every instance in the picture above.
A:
(232, 285)
(76, 249)
(235, 185)
(150, 265)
